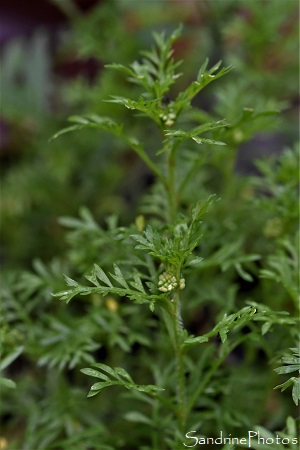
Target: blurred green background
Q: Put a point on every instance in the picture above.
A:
(54, 70)
(53, 57)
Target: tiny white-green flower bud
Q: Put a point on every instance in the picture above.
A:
(181, 283)
(167, 282)
(169, 122)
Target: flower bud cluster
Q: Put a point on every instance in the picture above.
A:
(167, 282)
(168, 117)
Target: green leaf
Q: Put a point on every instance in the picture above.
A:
(91, 121)
(295, 382)
(191, 341)
(118, 276)
(101, 275)
(291, 426)
(141, 240)
(287, 369)
(120, 372)
(265, 328)
(137, 294)
(232, 321)
(293, 365)
(105, 368)
(11, 357)
(194, 261)
(284, 267)
(176, 249)
(94, 373)
(119, 67)
(237, 261)
(118, 377)
(181, 135)
(285, 385)
(207, 141)
(137, 417)
(70, 282)
(137, 283)
(109, 125)
(97, 387)
(291, 360)
(204, 78)
(296, 391)
(151, 108)
(6, 382)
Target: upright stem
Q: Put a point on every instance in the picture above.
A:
(181, 388)
(171, 188)
(175, 329)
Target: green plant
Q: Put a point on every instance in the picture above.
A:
(159, 259)
(293, 366)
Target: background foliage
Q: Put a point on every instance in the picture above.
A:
(68, 204)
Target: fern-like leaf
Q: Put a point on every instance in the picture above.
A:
(115, 377)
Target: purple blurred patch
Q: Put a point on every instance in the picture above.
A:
(19, 17)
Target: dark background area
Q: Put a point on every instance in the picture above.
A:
(53, 55)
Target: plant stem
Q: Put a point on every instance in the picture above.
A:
(181, 388)
(173, 322)
(171, 188)
(176, 317)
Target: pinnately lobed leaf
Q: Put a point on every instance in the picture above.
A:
(118, 377)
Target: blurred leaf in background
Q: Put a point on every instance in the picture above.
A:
(96, 185)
